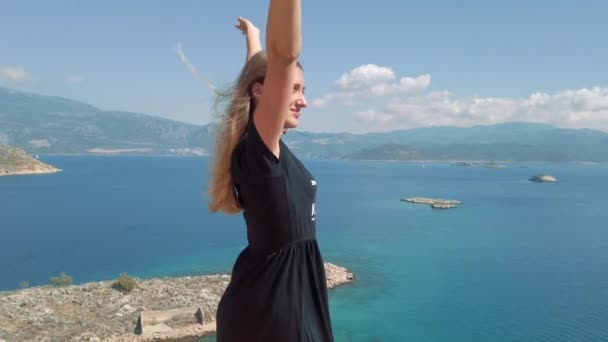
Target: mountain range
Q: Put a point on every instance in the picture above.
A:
(54, 125)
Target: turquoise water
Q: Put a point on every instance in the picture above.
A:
(518, 261)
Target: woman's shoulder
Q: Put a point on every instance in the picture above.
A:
(252, 157)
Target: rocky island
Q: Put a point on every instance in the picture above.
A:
(438, 203)
(15, 161)
(543, 179)
(98, 312)
(489, 165)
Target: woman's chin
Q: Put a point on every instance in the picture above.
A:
(291, 124)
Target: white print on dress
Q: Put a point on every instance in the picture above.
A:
(313, 182)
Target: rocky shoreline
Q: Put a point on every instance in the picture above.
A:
(42, 169)
(97, 312)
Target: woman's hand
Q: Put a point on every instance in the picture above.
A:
(252, 35)
(246, 27)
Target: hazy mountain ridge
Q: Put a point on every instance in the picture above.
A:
(48, 124)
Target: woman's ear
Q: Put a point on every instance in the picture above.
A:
(256, 90)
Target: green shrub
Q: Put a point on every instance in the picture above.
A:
(24, 284)
(62, 280)
(124, 283)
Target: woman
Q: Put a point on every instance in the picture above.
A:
(278, 290)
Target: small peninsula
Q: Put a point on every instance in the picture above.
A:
(98, 312)
(15, 161)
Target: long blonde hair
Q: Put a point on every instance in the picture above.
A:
(232, 126)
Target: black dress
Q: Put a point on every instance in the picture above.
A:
(278, 290)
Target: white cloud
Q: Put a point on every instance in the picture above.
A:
(405, 85)
(372, 115)
(581, 108)
(37, 143)
(365, 76)
(370, 80)
(347, 98)
(13, 73)
(398, 103)
(74, 79)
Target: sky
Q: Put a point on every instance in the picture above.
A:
(370, 66)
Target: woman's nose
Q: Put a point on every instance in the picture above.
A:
(302, 101)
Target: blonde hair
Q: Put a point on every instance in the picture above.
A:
(232, 126)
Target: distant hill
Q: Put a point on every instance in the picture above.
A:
(47, 124)
(15, 161)
(503, 142)
(387, 152)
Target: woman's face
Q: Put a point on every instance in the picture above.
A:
(298, 100)
(296, 103)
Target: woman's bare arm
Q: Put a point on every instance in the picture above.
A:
(283, 47)
(252, 36)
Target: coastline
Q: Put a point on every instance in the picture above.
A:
(338, 159)
(479, 161)
(97, 312)
(24, 172)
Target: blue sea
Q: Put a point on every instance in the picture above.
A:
(517, 261)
